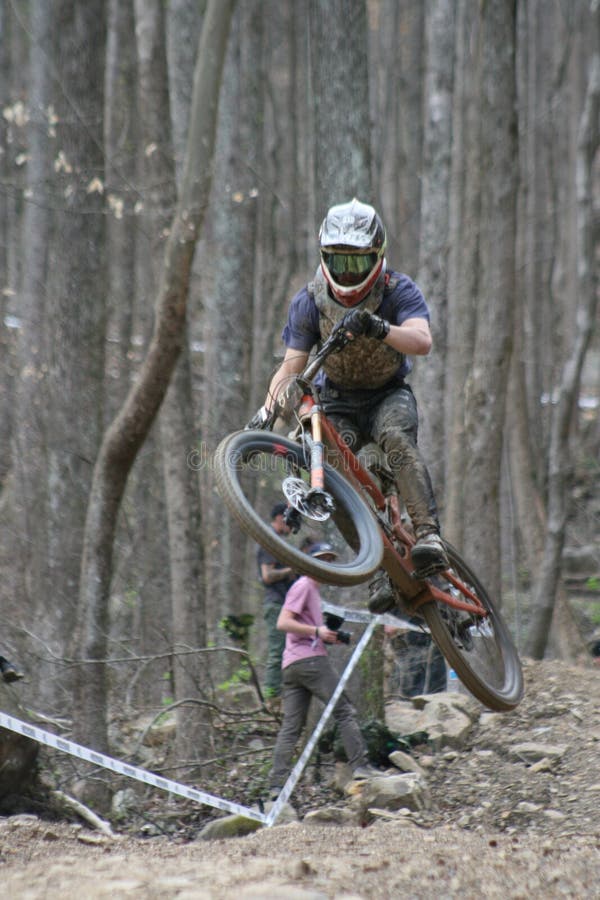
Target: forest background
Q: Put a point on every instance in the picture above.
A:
(150, 241)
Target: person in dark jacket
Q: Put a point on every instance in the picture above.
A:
(276, 579)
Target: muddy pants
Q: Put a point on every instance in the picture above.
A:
(391, 420)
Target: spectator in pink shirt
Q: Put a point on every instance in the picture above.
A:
(307, 672)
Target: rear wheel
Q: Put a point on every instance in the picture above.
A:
(479, 649)
(256, 469)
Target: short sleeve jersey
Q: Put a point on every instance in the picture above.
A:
(274, 593)
(303, 599)
(404, 301)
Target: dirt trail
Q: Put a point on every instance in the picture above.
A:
(498, 827)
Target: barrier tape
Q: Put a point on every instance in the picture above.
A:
(363, 616)
(34, 733)
(122, 768)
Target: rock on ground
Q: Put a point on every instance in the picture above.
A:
(512, 813)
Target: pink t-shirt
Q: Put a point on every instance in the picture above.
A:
(304, 600)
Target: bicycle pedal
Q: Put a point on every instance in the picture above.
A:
(428, 571)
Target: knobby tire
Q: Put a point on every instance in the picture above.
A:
(478, 675)
(237, 449)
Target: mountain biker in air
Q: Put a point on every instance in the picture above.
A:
(362, 388)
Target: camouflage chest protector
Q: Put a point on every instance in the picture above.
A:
(366, 362)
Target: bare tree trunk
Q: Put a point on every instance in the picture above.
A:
(287, 146)
(397, 45)
(229, 292)
(463, 261)
(184, 25)
(157, 175)
(7, 361)
(408, 55)
(129, 429)
(75, 318)
(120, 140)
(487, 384)
(433, 246)
(187, 620)
(188, 584)
(340, 90)
(562, 418)
(30, 580)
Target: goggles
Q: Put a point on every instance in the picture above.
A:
(349, 268)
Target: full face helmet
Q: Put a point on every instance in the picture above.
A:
(352, 244)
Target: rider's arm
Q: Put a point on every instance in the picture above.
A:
(413, 337)
(293, 363)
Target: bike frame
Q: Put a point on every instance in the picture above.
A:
(397, 541)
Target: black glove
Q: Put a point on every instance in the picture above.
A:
(361, 321)
(261, 420)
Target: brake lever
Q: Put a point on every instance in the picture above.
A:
(336, 341)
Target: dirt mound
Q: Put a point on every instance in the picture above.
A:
(514, 815)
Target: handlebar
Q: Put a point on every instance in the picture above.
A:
(336, 341)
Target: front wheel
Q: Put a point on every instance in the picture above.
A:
(479, 649)
(254, 470)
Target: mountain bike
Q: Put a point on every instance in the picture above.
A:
(350, 501)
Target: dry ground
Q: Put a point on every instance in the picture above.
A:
(498, 827)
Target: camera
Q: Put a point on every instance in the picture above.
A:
(334, 623)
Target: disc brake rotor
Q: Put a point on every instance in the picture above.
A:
(310, 502)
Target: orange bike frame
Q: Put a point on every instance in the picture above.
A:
(396, 559)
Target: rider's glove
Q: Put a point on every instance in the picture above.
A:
(361, 321)
(260, 420)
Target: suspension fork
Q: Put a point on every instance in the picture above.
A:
(317, 498)
(317, 450)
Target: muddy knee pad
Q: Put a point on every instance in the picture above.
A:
(395, 429)
(396, 416)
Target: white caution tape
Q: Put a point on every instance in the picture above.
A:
(364, 616)
(116, 765)
(189, 793)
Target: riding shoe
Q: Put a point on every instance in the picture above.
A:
(429, 555)
(381, 594)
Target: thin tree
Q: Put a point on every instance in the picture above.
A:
(70, 384)
(129, 429)
(229, 290)
(120, 136)
(488, 378)
(176, 416)
(463, 261)
(433, 245)
(29, 438)
(559, 477)
(340, 90)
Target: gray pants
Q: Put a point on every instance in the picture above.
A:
(391, 421)
(302, 680)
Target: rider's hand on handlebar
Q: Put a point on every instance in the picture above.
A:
(361, 321)
(260, 420)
